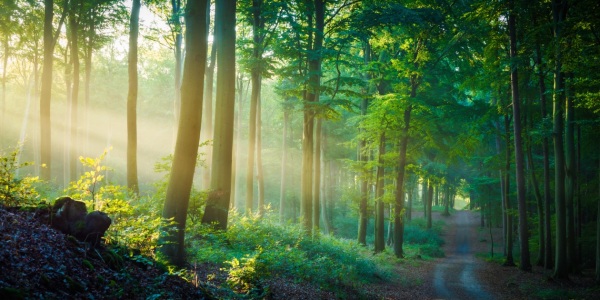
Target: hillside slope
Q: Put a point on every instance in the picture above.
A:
(36, 261)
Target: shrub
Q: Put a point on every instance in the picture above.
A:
(16, 191)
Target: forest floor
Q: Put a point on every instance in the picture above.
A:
(37, 262)
(464, 274)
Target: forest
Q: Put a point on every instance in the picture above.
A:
(304, 148)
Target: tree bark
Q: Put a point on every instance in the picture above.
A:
(379, 206)
(317, 177)
(525, 264)
(217, 205)
(312, 95)
(188, 134)
(429, 203)
(259, 166)
(559, 9)
(132, 177)
(46, 91)
(74, 137)
(283, 186)
(570, 181)
(363, 216)
(400, 175)
(207, 113)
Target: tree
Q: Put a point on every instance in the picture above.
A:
(46, 89)
(559, 13)
(188, 134)
(132, 178)
(519, 157)
(217, 204)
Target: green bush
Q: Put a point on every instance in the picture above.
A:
(286, 252)
(14, 190)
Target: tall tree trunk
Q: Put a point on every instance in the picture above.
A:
(217, 205)
(132, 177)
(509, 259)
(176, 21)
(548, 258)
(428, 205)
(259, 167)
(327, 227)
(69, 95)
(312, 95)
(207, 117)
(411, 193)
(283, 185)
(400, 175)
(317, 177)
(525, 264)
(363, 216)
(559, 10)
(188, 134)
(89, 50)
(45, 94)
(6, 47)
(256, 77)
(379, 206)
(74, 144)
(424, 189)
(570, 180)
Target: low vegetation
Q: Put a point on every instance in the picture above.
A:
(244, 261)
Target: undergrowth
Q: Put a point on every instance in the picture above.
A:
(254, 249)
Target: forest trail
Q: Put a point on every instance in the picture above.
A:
(454, 276)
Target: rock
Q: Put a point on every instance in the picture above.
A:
(70, 217)
(96, 224)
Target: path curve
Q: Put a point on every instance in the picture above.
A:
(454, 276)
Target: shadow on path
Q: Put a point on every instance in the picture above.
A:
(454, 276)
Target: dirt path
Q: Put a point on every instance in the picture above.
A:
(454, 276)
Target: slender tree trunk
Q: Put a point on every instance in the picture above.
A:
(400, 175)
(326, 198)
(312, 95)
(548, 258)
(424, 189)
(429, 203)
(178, 30)
(255, 75)
(45, 95)
(525, 264)
(559, 8)
(74, 145)
(207, 117)
(132, 177)
(188, 134)
(411, 193)
(509, 260)
(89, 50)
(283, 186)
(363, 216)
(317, 177)
(379, 206)
(217, 205)
(570, 181)
(259, 167)
(6, 47)
(69, 96)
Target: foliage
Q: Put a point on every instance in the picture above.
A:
(16, 191)
(260, 248)
(136, 221)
